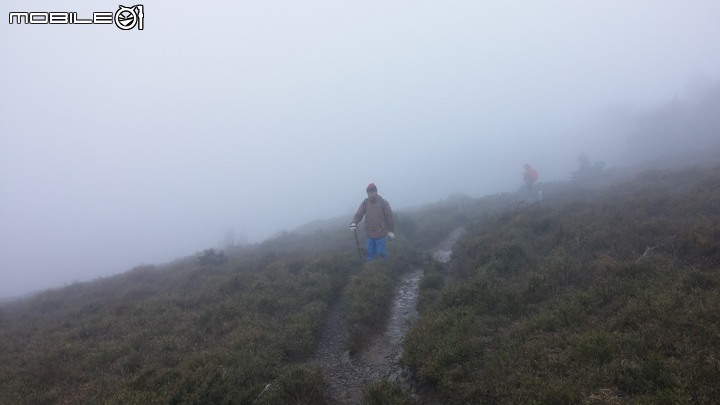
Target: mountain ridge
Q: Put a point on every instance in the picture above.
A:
(221, 331)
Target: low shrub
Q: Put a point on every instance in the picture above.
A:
(386, 393)
(597, 298)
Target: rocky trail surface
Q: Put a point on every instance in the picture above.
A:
(346, 375)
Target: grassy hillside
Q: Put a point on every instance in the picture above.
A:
(594, 296)
(214, 328)
(597, 295)
(185, 333)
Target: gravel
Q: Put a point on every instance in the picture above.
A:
(346, 375)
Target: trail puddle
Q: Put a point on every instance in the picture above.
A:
(345, 375)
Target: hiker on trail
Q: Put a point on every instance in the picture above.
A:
(530, 176)
(379, 222)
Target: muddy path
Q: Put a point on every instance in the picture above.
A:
(346, 375)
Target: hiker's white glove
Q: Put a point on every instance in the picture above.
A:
(391, 235)
(353, 226)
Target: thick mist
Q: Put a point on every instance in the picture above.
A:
(238, 120)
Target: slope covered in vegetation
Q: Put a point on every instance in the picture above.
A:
(592, 296)
(216, 328)
(603, 295)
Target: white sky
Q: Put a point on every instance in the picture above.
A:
(125, 147)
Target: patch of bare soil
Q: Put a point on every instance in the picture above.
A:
(346, 375)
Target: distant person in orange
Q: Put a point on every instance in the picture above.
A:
(530, 176)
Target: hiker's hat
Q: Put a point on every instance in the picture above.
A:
(371, 187)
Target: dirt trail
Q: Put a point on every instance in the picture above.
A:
(346, 375)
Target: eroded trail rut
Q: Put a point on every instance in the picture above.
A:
(346, 375)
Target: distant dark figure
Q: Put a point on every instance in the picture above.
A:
(379, 222)
(530, 176)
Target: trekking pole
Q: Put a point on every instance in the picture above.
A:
(357, 242)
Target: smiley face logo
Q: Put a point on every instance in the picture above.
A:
(126, 18)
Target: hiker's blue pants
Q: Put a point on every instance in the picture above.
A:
(375, 247)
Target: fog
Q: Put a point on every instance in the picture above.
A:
(119, 148)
